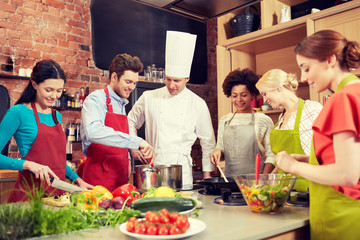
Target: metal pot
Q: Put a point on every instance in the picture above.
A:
(159, 175)
(215, 184)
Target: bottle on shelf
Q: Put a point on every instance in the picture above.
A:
(63, 99)
(68, 150)
(71, 132)
(82, 96)
(77, 100)
(86, 91)
(153, 72)
(68, 100)
(77, 132)
(72, 100)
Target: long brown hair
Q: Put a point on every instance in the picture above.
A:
(325, 43)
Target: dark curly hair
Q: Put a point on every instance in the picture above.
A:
(244, 77)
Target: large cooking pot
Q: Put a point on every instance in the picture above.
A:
(159, 175)
(215, 184)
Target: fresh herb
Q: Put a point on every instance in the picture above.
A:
(18, 221)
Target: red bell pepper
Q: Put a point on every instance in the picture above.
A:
(128, 192)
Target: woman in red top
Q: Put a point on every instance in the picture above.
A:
(325, 59)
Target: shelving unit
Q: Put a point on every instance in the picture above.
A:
(273, 45)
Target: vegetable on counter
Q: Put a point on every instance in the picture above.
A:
(91, 199)
(160, 192)
(33, 219)
(159, 223)
(128, 192)
(158, 203)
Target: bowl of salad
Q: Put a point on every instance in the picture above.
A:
(268, 194)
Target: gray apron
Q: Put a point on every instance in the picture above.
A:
(240, 148)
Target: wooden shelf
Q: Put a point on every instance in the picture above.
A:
(67, 109)
(13, 77)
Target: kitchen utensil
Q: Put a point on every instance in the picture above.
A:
(65, 186)
(267, 194)
(159, 175)
(214, 185)
(222, 173)
(257, 167)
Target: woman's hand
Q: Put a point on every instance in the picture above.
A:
(286, 162)
(84, 185)
(41, 171)
(215, 157)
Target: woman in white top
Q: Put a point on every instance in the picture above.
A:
(243, 134)
(293, 132)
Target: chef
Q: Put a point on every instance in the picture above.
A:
(104, 126)
(174, 116)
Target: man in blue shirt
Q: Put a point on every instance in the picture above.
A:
(104, 126)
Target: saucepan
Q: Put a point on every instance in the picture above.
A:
(215, 184)
(147, 176)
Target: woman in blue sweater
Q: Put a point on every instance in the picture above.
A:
(38, 133)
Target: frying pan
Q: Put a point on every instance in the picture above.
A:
(215, 184)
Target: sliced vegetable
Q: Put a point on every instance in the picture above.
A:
(265, 198)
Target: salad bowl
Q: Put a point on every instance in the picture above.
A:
(268, 194)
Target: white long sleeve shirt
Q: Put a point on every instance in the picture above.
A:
(263, 126)
(173, 123)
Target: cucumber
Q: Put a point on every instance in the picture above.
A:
(173, 204)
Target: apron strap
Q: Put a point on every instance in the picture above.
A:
(298, 114)
(345, 81)
(53, 111)
(108, 100)
(33, 106)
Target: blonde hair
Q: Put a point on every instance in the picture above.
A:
(276, 78)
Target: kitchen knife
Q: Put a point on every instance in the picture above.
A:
(65, 186)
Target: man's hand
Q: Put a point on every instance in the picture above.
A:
(146, 149)
(137, 155)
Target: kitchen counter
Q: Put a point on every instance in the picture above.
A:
(226, 222)
(7, 182)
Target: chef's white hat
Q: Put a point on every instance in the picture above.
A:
(180, 47)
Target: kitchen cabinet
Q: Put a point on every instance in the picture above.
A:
(273, 45)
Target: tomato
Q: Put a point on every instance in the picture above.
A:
(164, 219)
(164, 212)
(152, 230)
(163, 230)
(130, 227)
(173, 216)
(133, 219)
(148, 215)
(181, 222)
(174, 230)
(140, 229)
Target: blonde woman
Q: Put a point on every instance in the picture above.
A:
(293, 131)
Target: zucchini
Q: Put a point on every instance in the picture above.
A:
(173, 204)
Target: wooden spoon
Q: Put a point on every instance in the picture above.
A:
(222, 174)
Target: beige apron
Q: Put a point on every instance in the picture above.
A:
(240, 148)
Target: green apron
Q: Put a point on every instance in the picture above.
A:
(289, 141)
(333, 215)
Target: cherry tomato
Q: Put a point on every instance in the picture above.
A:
(164, 219)
(133, 219)
(163, 230)
(164, 212)
(130, 227)
(173, 216)
(152, 230)
(140, 229)
(181, 222)
(155, 218)
(174, 230)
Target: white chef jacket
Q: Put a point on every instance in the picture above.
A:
(172, 125)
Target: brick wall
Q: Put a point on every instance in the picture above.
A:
(61, 30)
